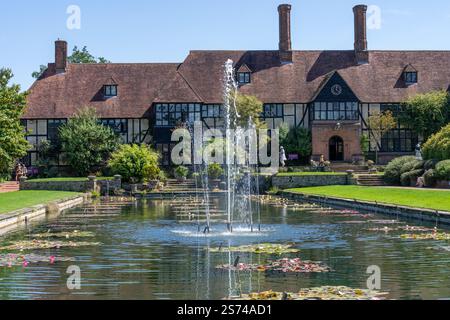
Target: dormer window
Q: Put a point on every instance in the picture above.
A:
(410, 77)
(110, 91)
(244, 75)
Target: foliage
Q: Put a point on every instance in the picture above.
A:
(365, 144)
(430, 164)
(381, 123)
(427, 236)
(443, 170)
(215, 171)
(181, 172)
(285, 265)
(77, 56)
(249, 107)
(87, 144)
(409, 178)
(13, 144)
(45, 244)
(14, 259)
(394, 169)
(65, 235)
(427, 113)
(430, 178)
(297, 140)
(438, 145)
(135, 163)
(46, 152)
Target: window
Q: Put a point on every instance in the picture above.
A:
(244, 77)
(53, 129)
(110, 90)
(119, 126)
(410, 77)
(169, 115)
(273, 111)
(335, 111)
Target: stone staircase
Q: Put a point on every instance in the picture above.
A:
(9, 187)
(174, 185)
(344, 167)
(372, 180)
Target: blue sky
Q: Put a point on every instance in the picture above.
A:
(165, 30)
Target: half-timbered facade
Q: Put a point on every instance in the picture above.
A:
(331, 93)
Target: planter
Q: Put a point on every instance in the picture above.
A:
(214, 183)
(181, 179)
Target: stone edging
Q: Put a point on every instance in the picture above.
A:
(12, 220)
(440, 217)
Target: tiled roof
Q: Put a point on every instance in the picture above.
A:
(199, 79)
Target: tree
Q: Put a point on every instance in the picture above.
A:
(437, 146)
(77, 56)
(13, 144)
(249, 107)
(297, 140)
(87, 144)
(427, 113)
(380, 123)
(135, 163)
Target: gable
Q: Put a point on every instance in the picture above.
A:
(335, 89)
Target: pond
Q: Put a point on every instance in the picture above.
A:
(150, 249)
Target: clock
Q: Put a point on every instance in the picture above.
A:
(336, 90)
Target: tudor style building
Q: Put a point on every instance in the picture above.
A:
(332, 93)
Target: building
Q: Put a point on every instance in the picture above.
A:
(332, 93)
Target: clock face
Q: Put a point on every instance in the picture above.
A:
(336, 90)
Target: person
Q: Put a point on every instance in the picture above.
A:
(283, 158)
(19, 171)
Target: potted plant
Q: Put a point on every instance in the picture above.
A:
(215, 171)
(181, 173)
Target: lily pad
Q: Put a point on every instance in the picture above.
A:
(46, 244)
(66, 235)
(283, 266)
(13, 259)
(264, 248)
(320, 293)
(427, 236)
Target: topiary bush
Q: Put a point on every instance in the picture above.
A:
(443, 170)
(135, 163)
(430, 178)
(408, 179)
(181, 172)
(392, 173)
(438, 145)
(430, 164)
(412, 165)
(215, 171)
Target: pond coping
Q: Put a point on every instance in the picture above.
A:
(13, 220)
(421, 214)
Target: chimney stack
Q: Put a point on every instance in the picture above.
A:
(60, 56)
(361, 51)
(285, 45)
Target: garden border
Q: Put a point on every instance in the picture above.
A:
(429, 215)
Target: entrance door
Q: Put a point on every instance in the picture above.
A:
(336, 149)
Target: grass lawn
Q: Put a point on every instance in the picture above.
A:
(23, 199)
(300, 174)
(429, 199)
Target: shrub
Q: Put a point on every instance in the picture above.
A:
(443, 170)
(86, 143)
(215, 171)
(410, 178)
(181, 172)
(135, 163)
(438, 145)
(430, 164)
(393, 172)
(412, 165)
(430, 178)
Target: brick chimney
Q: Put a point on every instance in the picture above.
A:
(60, 56)
(361, 52)
(285, 45)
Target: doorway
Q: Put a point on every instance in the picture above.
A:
(336, 149)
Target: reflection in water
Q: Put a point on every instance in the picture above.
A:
(146, 255)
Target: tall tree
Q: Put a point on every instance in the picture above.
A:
(13, 144)
(380, 123)
(249, 107)
(427, 113)
(86, 143)
(77, 56)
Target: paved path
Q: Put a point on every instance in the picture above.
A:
(9, 187)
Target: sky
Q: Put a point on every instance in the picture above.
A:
(166, 30)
